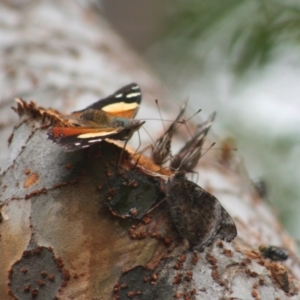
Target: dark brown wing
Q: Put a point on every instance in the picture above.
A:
(197, 215)
(188, 156)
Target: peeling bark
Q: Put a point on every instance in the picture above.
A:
(73, 225)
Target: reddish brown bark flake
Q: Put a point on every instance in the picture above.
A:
(195, 258)
(31, 180)
(254, 294)
(186, 296)
(146, 220)
(110, 194)
(261, 262)
(37, 250)
(41, 282)
(27, 288)
(36, 193)
(189, 275)
(123, 286)
(132, 183)
(154, 277)
(143, 235)
(167, 241)
(220, 244)
(280, 275)
(34, 293)
(158, 236)
(66, 277)
(182, 258)
(194, 292)
(59, 262)
(51, 277)
(178, 266)
(227, 252)
(245, 262)
(215, 275)
(177, 278)
(116, 288)
(253, 274)
(212, 260)
(134, 212)
(130, 294)
(27, 172)
(44, 274)
(69, 166)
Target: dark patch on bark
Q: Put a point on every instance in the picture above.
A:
(37, 275)
(142, 283)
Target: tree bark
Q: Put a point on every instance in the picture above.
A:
(74, 224)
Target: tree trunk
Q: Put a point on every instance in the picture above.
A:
(74, 224)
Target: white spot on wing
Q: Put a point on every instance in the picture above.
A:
(95, 134)
(131, 95)
(119, 95)
(94, 141)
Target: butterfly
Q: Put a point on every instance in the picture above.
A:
(274, 253)
(188, 156)
(111, 117)
(161, 150)
(197, 215)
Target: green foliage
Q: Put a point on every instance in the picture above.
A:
(247, 32)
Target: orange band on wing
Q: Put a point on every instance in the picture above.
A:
(128, 114)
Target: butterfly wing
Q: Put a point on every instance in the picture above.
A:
(75, 138)
(125, 102)
(197, 215)
(111, 117)
(227, 229)
(162, 147)
(188, 156)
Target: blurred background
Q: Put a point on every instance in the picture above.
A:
(239, 58)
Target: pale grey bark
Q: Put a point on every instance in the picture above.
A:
(65, 56)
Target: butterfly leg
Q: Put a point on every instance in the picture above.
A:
(155, 206)
(122, 153)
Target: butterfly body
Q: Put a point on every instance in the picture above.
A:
(111, 118)
(197, 215)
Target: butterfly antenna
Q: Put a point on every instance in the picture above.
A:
(148, 134)
(192, 116)
(158, 108)
(137, 161)
(206, 150)
(187, 128)
(144, 149)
